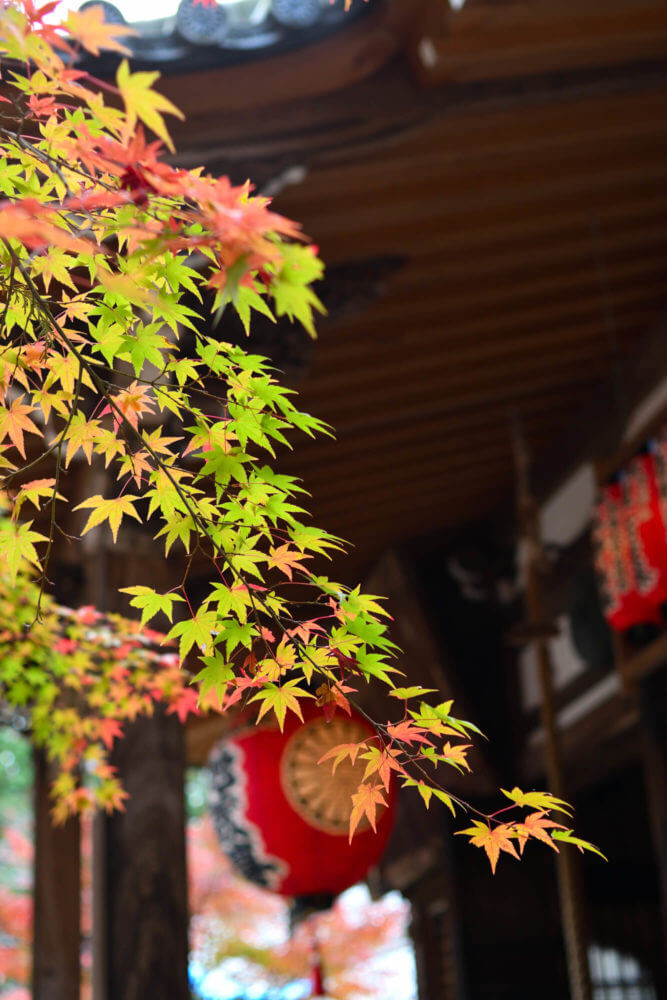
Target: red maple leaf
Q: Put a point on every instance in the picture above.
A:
(108, 730)
(185, 704)
(406, 732)
(65, 646)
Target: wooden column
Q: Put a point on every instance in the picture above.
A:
(539, 629)
(436, 925)
(653, 715)
(145, 876)
(436, 933)
(57, 898)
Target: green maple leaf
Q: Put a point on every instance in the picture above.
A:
(195, 631)
(537, 800)
(151, 603)
(214, 677)
(147, 345)
(17, 545)
(281, 699)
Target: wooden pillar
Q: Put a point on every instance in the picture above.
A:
(57, 898)
(653, 716)
(145, 888)
(436, 927)
(539, 628)
(435, 935)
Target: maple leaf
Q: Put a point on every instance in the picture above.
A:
(281, 660)
(32, 491)
(537, 800)
(112, 510)
(428, 791)
(456, 755)
(108, 730)
(196, 630)
(150, 602)
(567, 837)
(126, 286)
(332, 696)
(17, 544)
(142, 102)
(131, 403)
(406, 732)
(54, 264)
(382, 762)
(135, 463)
(535, 825)
(411, 692)
(492, 839)
(286, 559)
(187, 703)
(365, 802)
(83, 434)
(14, 422)
(341, 751)
(90, 28)
(280, 699)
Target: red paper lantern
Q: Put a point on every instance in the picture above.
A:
(621, 604)
(648, 541)
(281, 818)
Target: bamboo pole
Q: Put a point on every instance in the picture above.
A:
(567, 864)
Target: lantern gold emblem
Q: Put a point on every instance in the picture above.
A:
(322, 797)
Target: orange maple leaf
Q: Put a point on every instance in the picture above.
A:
(286, 559)
(90, 28)
(343, 750)
(383, 762)
(365, 802)
(108, 730)
(131, 403)
(15, 421)
(535, 825)
(186, 703)
(406, 732)
(136, 463)
(492, 839)
(457, 754)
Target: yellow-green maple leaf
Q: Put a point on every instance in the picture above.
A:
(144, 103)
(112, 510)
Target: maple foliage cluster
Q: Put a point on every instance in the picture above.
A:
(102, 360)
(81, 674)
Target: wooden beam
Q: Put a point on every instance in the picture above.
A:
(352, 94)
(508, 384)
(56, 897)
(491, 40)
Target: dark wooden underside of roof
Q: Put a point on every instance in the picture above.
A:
(526, 195)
